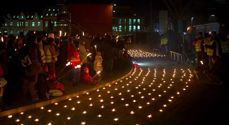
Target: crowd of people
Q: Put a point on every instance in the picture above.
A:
(31, 64)
(212, 55)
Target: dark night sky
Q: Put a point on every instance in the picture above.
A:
(36, 5)
(24, 5)
(142, 6)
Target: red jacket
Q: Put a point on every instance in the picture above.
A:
(73, 54)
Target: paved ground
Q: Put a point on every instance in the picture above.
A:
(150, 95)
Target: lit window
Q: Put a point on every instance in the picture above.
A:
(26, 24)
(124, 20)
(130, 28)
(18, 24)
(51, 14)
(49, 9)
(115, 29)
(5, 24)
(47, 14)
(31, 16)
(138, 27)
(120, 28)
(13, 16)
(17, 17)
(53, 10)
(55, 14)
(124, 28)
(46, 23)
(33, 24)
(134, 21)
(27, 16)
(120, 21)
(134, 28)
(55, 23)
(11, 23)
(22, 17)
(130, 21)
(38, 23)
(41, 16)
(139, 21)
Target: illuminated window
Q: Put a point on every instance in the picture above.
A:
(55, 23)
(31, 16)
(124, 28)
(115, 29)
(47, 14)
(120, 28)
(55, 14)
(134, 28)
(11, 23)
(53, 10)
(26, 24)
(27, 16)
(130, 21)
(134, 21)
(120, 21)
(46, 23)
(18, 24)
(138, 28)
(139, 21)
(22, 17)
(49, 9)
(124, 20)
(51, 14)
(33, 24)
(38, 23)
(130, 28)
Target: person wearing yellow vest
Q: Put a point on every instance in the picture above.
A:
(50, 56)
(164, 44)
(198, 45)
(209, 47)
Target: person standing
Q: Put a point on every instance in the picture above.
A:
(51, 56)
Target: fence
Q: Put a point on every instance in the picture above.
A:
(175, 56)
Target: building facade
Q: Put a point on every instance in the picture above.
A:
(127, 25)
(125, 21)
(14, 24)
(53, 19)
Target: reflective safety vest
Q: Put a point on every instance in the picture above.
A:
(164, 41)
(198, 46)
(43, 57)
(209, 51)
(49, 56)
(224, 46)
